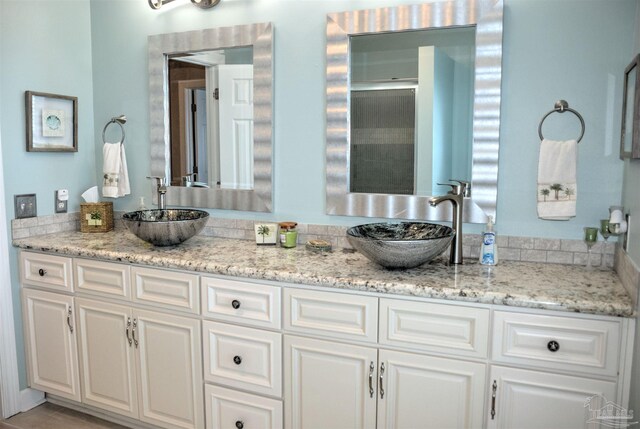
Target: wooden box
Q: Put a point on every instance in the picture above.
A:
(96, 217)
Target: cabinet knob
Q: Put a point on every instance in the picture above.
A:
(42, 272)
(235, 304)
(553, 346)
(237, 360)
(239, 424)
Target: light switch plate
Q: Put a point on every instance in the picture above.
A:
(25, 206)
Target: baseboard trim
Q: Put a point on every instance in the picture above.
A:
(30, 398)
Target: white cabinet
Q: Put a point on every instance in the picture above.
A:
(537, 400)
(141, 364)
(331, 385)
(50, 343)
(228, 408)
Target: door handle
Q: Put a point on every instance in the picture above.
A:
(69, 320)
(371, 369)
(381, 378)
(133, 332)
(127, 331)
(494, 389)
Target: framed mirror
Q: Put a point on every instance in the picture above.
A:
(210, 104)
(630, 135)
(413, 100)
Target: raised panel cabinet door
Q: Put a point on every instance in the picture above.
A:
(417, 391)
(107, 356)
(538, 400)
(103, 278)
(170, 381)
(50, 342)
(228, 409)
(169, 289)
(329, 385)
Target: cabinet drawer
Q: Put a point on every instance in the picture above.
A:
(169, 289)
(243, 358)
(331, 314)
(241, 302)
(434, 327)
(52, 272)
(102, 278)
(579, 345)
(227, 408)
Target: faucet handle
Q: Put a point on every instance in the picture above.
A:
(465, 185)
(455, 189)
(160, 181)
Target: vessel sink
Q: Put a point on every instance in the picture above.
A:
(400, 245)
(165, 227)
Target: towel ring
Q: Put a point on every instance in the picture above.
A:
(115, 120)
(561, 106)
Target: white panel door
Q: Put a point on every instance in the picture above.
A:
(50, 342)
(417, 391)
(107, 356)
(235, 84)
(328, 385)
(170, 370)
(538, 400)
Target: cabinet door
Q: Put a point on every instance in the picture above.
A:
(107, 358)
(169, 370)
(228, 408)
(417, 391)
(538, 400)
(50, 342)
(329, 385)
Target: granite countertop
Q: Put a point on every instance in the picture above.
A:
(558, 287)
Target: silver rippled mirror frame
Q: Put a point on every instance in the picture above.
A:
(160, 47)
(486, 15)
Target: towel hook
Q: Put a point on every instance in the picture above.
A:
(115, 120)
(561, 106)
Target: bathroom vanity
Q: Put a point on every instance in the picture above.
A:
(222, 333)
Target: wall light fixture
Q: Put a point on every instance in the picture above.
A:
(202, 4)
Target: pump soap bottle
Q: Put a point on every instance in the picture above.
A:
(489, 248)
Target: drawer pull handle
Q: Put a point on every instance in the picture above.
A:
(371, 368)
(237, 360)
(42, 272)
(381, 378)
(239, 424)
(553, 346)
(127, 331)
(133, 332)
(494, 389)
(69, 320)
(235, 304)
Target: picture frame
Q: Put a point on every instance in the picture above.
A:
(52, 122)
(630, 131)
(266, 233)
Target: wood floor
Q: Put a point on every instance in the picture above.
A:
(50, 416)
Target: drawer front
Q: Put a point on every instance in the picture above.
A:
(52, 272)
(331, 314)
(169, 289)
(227, 408)
(102, 278)
(241, 302)
(434, 327)
(243, 358)
(565, 343)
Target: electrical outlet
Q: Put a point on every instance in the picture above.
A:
(25, 206)
(61, 197)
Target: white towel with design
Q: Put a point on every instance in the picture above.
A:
(115, 181)
(557, 182)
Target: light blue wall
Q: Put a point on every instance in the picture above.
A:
(551, 51)
(46, 47)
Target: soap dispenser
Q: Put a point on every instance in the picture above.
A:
(489, 248)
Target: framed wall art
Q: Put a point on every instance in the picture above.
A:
(52, 122)
(630, 135)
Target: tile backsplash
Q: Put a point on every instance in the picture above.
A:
(529, 249)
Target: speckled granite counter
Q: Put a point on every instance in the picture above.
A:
(519, 284)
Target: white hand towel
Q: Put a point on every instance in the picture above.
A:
(557, 184)
(116, 177)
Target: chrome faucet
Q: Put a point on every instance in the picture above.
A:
(456, 196)
(161, 188)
